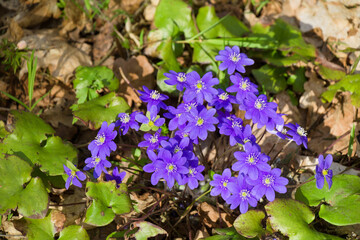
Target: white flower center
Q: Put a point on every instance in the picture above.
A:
(154, 139)
(181, 77)
(224, 182)
(199, 121)
(259, 104)
(252, 159)
(301, 131)
(244, 85)
(154, 95)
(199, 85)
(234, 57)
(171, 167)
(100, 139)
(268, 180)
(224, 96)
(125, 118)
(244, 194)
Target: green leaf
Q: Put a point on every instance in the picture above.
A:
(349, 83)
(292, 219)
(14, 174)
(48, 152)
(74, 232)
(227, 234)
(206, 18)
(89, 80)
(107, 201)
(330, 74)
(147, 230)
(40, 229)
(297, 80)
(249, 224)
(174, 16)
(33, 199)
(18, 189)
(339, 201)
(273, 79)
(101, 109)
(3, 132)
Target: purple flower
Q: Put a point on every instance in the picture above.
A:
(201, 123)
(200, 88)
(152, 141)
(153, 99)
(268, 183)
(170, 167)
(231, 127)
(177, 118)
(241, 195)
(322, 170)
(251, 162)
(103, 142)
(185, 137)
(222, 100)
(233, 59)
(151, 168)
(150, 121)
(220, 184)
(260, 110)
(242, 87)
(126, 121)
(116, 175)
(246, 136)
(98, 164)
(73, 177)
(178, 79)
(194, 174)
(298, 134)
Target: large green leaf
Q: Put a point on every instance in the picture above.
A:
(147, 230)
(89, 80)
(174, 16)
(349, 83)
(74, 232)
(206, 18)
(30, 141)
(107, 201)
(249, 224)
(32, 200)
(101, 109)
(41, 229)
(292, 219)
(330, 74)
(272, 78)
(340, 202)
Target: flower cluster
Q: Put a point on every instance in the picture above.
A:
(203, 109)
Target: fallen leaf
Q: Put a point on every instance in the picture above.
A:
(139, 72)
(58, 219)
(211, 217)
(40, 13)
(55, 54)
(311, 99)
(130, 6)
(292, 113)
(103, 42)
(337, 121)
(72, 210)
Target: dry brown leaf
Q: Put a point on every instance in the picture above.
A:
(58, 219)
(311, 98)
(336, 122)
(75, 18)
(211, 217)
(40, 13)
(103, 42)
(139, 72)
(202, 233)
(15, 228)
(130, 6)
(292, 113)
(72, 210)
(54, 53)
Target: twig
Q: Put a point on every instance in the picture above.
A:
(128, 82)
(329, 147)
